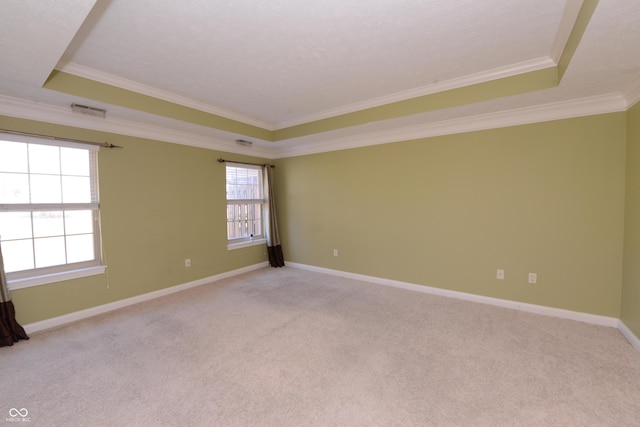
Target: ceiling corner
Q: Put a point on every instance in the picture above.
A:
(34, 36)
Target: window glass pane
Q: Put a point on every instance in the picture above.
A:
(47, 174)
(80, 248)
(76, 189)
(45, 189)
(14, 188)
(78, 222)
(13, 157)
(231, 224)
(74, 161)
(15, 225)
(257, 219)
(44, 159)
(48, 224)
(49, 251)
(243, 183)
(17, 255)
(244, 220)
(243, 186)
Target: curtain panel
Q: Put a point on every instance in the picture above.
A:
(10, 330)
(274, 248)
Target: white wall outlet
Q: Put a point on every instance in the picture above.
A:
(335, 252)
(187, 262)
(533, 278)
(500, 274)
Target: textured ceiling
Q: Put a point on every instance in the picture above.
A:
(278, 63)
(33, 38)
(279, 60)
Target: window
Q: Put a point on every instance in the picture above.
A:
(49, 210)
(244, 205)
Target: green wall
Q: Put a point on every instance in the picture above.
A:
(448, 211)
(631, 277)
(160, 203)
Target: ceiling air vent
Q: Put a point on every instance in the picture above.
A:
(85, 109)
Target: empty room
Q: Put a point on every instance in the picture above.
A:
(327, 213)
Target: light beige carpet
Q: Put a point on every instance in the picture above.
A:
(287, 347)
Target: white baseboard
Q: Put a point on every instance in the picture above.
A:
(530, 308)
(630, 336)
(94, 311)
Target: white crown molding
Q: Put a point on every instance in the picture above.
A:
(535, 114)
(15, 107)
(567, 22)
(102, 77)
(593, 319)
(19, 108)
(481, 77)
(471, 79)
(632, 95)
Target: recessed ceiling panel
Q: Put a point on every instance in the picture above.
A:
(279, 61)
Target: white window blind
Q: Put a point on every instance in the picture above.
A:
(245, 199)
(49, 206)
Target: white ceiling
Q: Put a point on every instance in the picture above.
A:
(277, 63)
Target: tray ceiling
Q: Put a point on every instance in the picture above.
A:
(292, 73)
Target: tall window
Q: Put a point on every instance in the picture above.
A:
(49, 207)
(244, 203)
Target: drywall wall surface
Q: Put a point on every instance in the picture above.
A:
(160, 204)
(448, 211)
(631, 274)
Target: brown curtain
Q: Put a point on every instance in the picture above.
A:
(276, 258)
(10, 330)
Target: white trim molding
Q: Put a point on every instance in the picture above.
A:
(594, 319)
(600, 104)
(630, 336)
(19, 108)
(55, 277)
(105, 308)
(246, 244)
(119, 82)
(632, 95)
(468, 80)
(480, 77)
(530, 308)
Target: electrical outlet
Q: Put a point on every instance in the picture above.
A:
(187, 262)
(335, 252)
(533, 278)
(500, 274)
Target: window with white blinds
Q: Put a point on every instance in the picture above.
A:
(49, 207)
(245, 199)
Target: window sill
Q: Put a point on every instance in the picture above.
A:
(246, 243)
(55, 277)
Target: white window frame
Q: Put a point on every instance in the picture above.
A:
(257, 238)
(67, 271)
